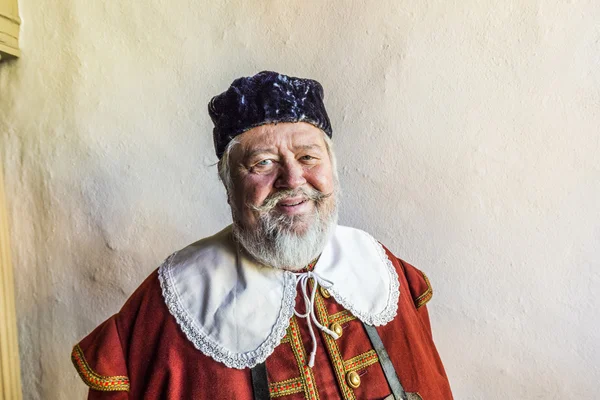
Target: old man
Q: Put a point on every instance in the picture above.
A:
(284, 303)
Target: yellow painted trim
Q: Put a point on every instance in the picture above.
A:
(10, 371)
(10, 24)
(13, 18)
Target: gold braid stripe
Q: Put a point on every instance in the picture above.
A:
(334, 352)
(361, 361)
(306, 373)
(94, 380)
(284, 388)
(342, 317)
(426, 296)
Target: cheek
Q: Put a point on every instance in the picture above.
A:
(256, 188)
(321, 178)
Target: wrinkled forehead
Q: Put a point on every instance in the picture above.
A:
(282, 137)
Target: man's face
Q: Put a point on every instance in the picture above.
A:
(282, 169)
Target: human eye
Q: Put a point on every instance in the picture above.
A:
(308, 158)
(264, 165)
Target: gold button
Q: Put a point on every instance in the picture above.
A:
(324, 292)
(337, 328)
(353, 379)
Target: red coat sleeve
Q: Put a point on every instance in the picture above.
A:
(100, 362)
(420, 290)
(419, 287)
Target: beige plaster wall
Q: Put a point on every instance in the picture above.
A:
(468, 140)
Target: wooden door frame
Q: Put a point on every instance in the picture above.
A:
(10, 372)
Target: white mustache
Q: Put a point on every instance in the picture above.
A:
(272, 200)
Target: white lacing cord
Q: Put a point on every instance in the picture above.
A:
(302, 278)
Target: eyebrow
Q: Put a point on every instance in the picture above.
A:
(255, 152)
(273, 150)
(308, 147)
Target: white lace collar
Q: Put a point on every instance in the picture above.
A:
(237, 311)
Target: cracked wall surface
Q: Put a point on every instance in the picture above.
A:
(467, 136)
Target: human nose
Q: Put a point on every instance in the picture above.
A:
(291, 176)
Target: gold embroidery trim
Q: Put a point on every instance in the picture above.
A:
(94, 380)
(426, 296)
(306, 373)
(341, 317)
(361, 361)
(334, 351)
(287, 387)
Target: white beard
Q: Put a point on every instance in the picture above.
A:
(275, 243)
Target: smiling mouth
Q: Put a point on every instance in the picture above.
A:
(297, 203)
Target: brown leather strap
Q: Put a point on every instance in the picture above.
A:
(386, 364)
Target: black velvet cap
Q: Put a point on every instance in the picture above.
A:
(267, 97)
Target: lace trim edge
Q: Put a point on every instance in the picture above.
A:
(391, 308)
(210, 347)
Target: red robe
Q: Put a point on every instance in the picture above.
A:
(141, 353)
